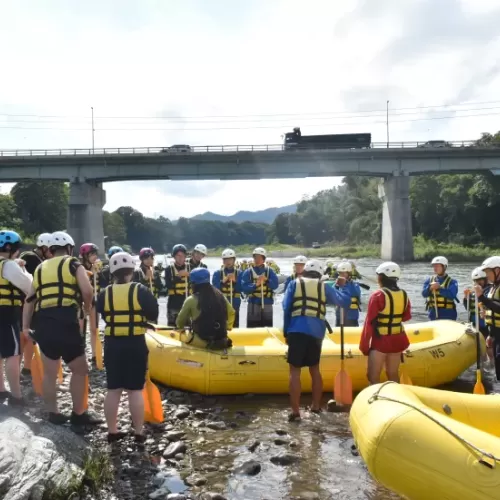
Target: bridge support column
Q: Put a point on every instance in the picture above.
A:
(397, 240)
(85, 220)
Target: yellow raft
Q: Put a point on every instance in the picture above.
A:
(429, 444)
(439, 352)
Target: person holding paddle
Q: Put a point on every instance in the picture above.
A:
(126, 307)
(177, 283)
(304, 306)
(351, 316)
(383, 339)
(298, 268)
(146, 274)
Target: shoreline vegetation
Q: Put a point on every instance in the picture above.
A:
(424, 250)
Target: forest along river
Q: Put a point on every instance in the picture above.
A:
(327, 468)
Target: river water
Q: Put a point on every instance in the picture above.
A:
(327, 469)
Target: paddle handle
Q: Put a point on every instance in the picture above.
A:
(478, 342)
(342, 334)
(435, 305)
(231, 291)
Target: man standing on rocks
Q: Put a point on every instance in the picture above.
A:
(59, 286)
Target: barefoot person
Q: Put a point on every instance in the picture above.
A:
(59, 286)
(304, 307)
(125, 307)
(383, 338)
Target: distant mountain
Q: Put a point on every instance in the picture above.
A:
(268, 215)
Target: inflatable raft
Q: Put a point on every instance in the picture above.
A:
(439, 352)
(425, 444)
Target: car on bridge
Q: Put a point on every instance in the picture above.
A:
(177, 148)
(436, 144)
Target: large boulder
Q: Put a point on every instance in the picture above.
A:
(37, 458)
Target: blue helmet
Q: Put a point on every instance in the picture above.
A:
(114, 250)
(10, 241)
(177, 249)
(199, 276)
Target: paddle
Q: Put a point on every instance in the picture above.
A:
(98, 345)
(404, 377)
(342, 387)
(60, 373)
(478, 387)
(37, 371)
(435, 305)
(153, 409)
(86, 394)
(467, 306)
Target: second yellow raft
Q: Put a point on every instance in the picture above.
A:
(439, 352)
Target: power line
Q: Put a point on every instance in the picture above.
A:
(282, 126)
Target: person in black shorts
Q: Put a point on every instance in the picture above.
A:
(304, 308)
(126, 307)
(60, 284)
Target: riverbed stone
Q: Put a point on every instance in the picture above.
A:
(160, 494)
(176, 496)
(174, 448)
(36, 457)
(281, 441)
(182, 412)
(210, 496)
(248, 468)
(284, 459)
(253, 446)
(216, 425)
(173, 436)
(195, 480)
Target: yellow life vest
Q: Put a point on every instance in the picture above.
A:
(331, 271)
(493, 318)
(10, 296)
(225, 288)
(275, 267)
(150, 284)
(54, 284)
(355, 304)
(442, 302)
(266, 291)
(389, 320)
(95, 270)
(243, 265)
(122, 311)
(309, 298)
(180, 287)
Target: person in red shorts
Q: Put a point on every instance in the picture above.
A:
(383, 338)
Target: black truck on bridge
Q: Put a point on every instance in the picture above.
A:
(295, 140)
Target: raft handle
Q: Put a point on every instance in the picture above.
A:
(247, 362)
(486, 464)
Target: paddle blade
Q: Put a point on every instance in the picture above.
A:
(98, 352)
(86, 394)
(479, 387)
(152, 402)
(342, 388)
(37, 371)
(60, 373)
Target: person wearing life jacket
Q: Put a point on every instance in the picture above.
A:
(479, 278)
(199, 252)
(351, 314)
(259, 283)
(209, 313)
(228, 280)
(298, 268)
(304, 306)
(32, 259)
(60, 285)
(440, 292)
(90, 261)
(331, 269)
(243, 264)
(15, 283)
(490, 299)
(104, 277)
(177, 283)
(126, 307)
(145, 274)
(272, 264)
(383, 338)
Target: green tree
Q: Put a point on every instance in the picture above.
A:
(114, 229)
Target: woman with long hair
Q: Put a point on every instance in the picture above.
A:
(208, 312)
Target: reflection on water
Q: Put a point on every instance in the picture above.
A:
(327, 466)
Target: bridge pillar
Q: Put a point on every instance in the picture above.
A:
(397, 240)
(85, 220)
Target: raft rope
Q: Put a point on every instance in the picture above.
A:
(482, 453)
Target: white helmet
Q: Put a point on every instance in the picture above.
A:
(440, 260)
(43, 240)
(344, 267)
(259, 251)
(491, 263)
(270, 261)
(300, 259)
(478, 273)
(201, 248)
(228, 253)
(61, 239)
(389, 269)
(314, 265)
(121, 260)
(329, 262)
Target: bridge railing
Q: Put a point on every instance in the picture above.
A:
(216, 149)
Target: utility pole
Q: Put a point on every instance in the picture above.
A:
(93, 130)
(387, 123)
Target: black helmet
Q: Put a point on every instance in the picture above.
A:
(177, 249)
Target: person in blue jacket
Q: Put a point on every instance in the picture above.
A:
(259, 283)
(298, 268)
(440, 292)
(304, 307)
(228, 280)
(351, 314)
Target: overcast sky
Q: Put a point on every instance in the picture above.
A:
(264, 66)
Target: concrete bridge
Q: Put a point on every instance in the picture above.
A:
(87, 169)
